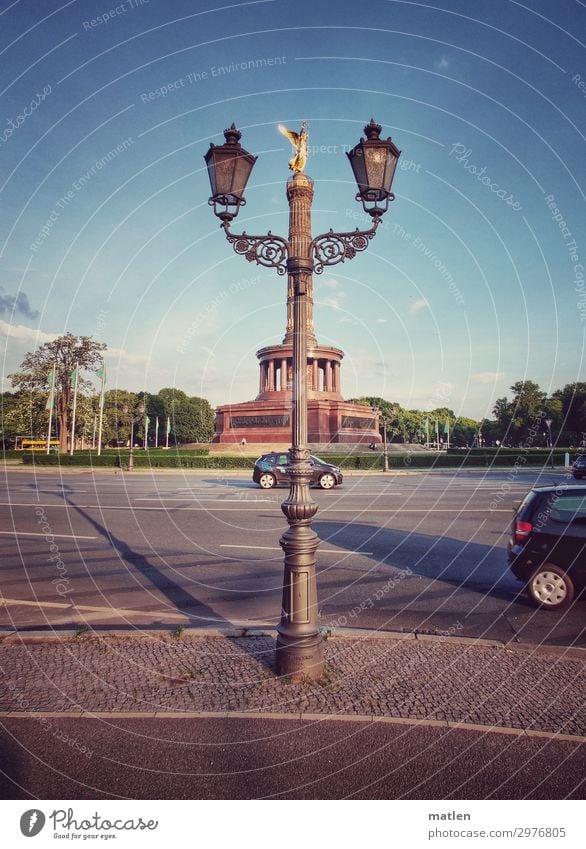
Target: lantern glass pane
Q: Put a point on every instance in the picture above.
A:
(225, 166)
(390, 172)
(376, 161)
(242, 169)
(359, 168)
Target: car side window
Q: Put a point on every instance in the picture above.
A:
(569, 510)
(282, 460)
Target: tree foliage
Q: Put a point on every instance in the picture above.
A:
(65, 353)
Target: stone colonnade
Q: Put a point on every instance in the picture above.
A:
(323, 374)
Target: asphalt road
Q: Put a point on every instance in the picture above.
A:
(227, 758)
(409, 552)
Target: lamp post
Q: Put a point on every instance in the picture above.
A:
(133, 419)
(299, 650)
(549, 423)
(384, 422)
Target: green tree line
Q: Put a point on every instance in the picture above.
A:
(24, 412)
(521, 419)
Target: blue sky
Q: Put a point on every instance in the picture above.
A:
(475, 279)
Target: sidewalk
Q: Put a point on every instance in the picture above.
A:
(399, 678)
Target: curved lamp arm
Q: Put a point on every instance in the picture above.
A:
(331, 248)
(270, 251)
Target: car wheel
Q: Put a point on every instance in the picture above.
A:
(551, 588)
(327, 481)
(266, 480)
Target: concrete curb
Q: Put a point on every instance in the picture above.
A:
(359, 635)
(297, 717)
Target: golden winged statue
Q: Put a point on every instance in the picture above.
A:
(300, 145)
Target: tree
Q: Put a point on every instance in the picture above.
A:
(464, 432)
(522, 419)
(23, 414)
(65, 353)
(572, 420)
(120, 406)
(192, 418)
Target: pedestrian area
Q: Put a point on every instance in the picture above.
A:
(402, 677)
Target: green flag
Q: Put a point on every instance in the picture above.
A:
(101, 373)
(447, 426)
(51, 380)
(74, 377)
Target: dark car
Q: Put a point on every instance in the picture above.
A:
(579, 467)
(270, 469)
(547, 549)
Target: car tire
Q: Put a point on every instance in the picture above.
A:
(267, 480)
(327, 481)
(551, 588)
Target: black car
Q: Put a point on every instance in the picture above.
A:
(547, 549)
(579, 467)
(270, 469)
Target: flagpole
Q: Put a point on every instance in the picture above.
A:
(427, 430)
(51, 403)
(74, 411)
(94, 433)
(437, 445)
(157, 432)
(101, 408)
(146, 432)
(168, 430)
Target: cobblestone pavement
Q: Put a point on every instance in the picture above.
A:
(419, 679)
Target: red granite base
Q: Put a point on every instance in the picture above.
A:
(270, 421)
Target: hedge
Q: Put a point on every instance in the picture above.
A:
(140, 461)
(365, 462)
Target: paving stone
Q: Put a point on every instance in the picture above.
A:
(442, 680)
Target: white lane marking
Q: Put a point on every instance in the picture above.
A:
(214, 500)
(278, 548)
(36, 534)
(116, 611)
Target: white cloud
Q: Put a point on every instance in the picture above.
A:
(122, 357)
(442, 64)
(381, 321)
(330, 283)
(487, 376)
(419, 304)
(19, 331)
(334, 303)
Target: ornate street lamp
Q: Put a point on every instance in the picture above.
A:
(549, 423)
(133, 419)
(299, 642)
(373, 162)
(229, 167)
(384, 421)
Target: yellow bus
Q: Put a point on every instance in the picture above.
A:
(25, 444)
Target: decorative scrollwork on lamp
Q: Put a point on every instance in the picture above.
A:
(270, 251)
(331, 248)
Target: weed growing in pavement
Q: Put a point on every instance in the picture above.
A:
(178, 632)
